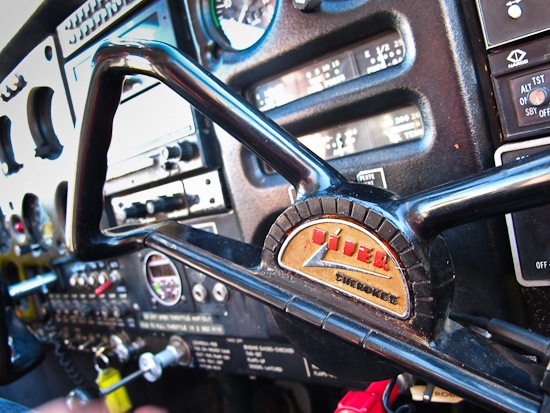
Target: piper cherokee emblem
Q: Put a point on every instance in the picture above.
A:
(344, 256)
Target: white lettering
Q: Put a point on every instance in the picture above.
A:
(523, 100)
(526, 88)
(530, 111)
(538, 80)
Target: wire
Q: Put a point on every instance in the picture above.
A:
(53, 337)
(508, 333)
(406, 408)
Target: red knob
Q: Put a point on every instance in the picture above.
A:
(103, 288)
(19, 227)
(367, 401)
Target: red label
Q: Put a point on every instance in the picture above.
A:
(364, 253)
(349, 248)
(333, 242)
(381, 260)
(318, 236)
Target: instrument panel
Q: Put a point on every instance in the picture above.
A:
(385, 92)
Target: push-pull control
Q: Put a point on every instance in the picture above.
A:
(107, 281)
(136, 210)
(181, 151)
(151, 366)
(125, 350)
(170, 203)
(30, 286)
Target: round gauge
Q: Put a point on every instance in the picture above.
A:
(163, 279)
(38, 223)
(242, 23)
(5, 237)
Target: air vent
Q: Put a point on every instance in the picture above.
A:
(39, 112)
(7, 158)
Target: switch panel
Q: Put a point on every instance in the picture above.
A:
(521, 78)
(505, 21)
(529, 230)
(531, 96)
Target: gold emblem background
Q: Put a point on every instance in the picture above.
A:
(300, 248)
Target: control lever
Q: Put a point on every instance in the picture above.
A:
(31, 286)
(151, 366)
(20, 351)
(123, 350)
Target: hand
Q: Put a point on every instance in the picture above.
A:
(96, 406)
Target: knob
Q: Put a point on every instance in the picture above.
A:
(515, 11)
(102, 277)
(183, 151)
(73, 279)
(136, 210)
(151, 366)
(114, 276)
(92, 278)
(189, 150)
(539, 96)
(199, 293)
(68, 309)
(75, 310)
(82, 280)
(107, 281)
(125, 350)
(171, 153)
(121, 309)
(220, 292)
(21, 250)
(103, 288)
(19, 227)
(170, 166)
(105, 312)
(166, 204)
(86, 310)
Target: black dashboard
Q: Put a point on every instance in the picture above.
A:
(405, 96)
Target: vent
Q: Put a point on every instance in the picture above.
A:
(39, 111)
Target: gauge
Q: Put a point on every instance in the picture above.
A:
(242, 23)
(163, 279)
(37, 222)
(5, 237)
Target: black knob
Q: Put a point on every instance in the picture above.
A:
(26, 249)
(121, 309)
(105, 311)
(136, 210)
(166, 204)
(171, 153)
(189, 151)
(86, 310)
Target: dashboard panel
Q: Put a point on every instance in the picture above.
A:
(393, 95)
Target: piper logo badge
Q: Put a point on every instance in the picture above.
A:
(346, 257)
